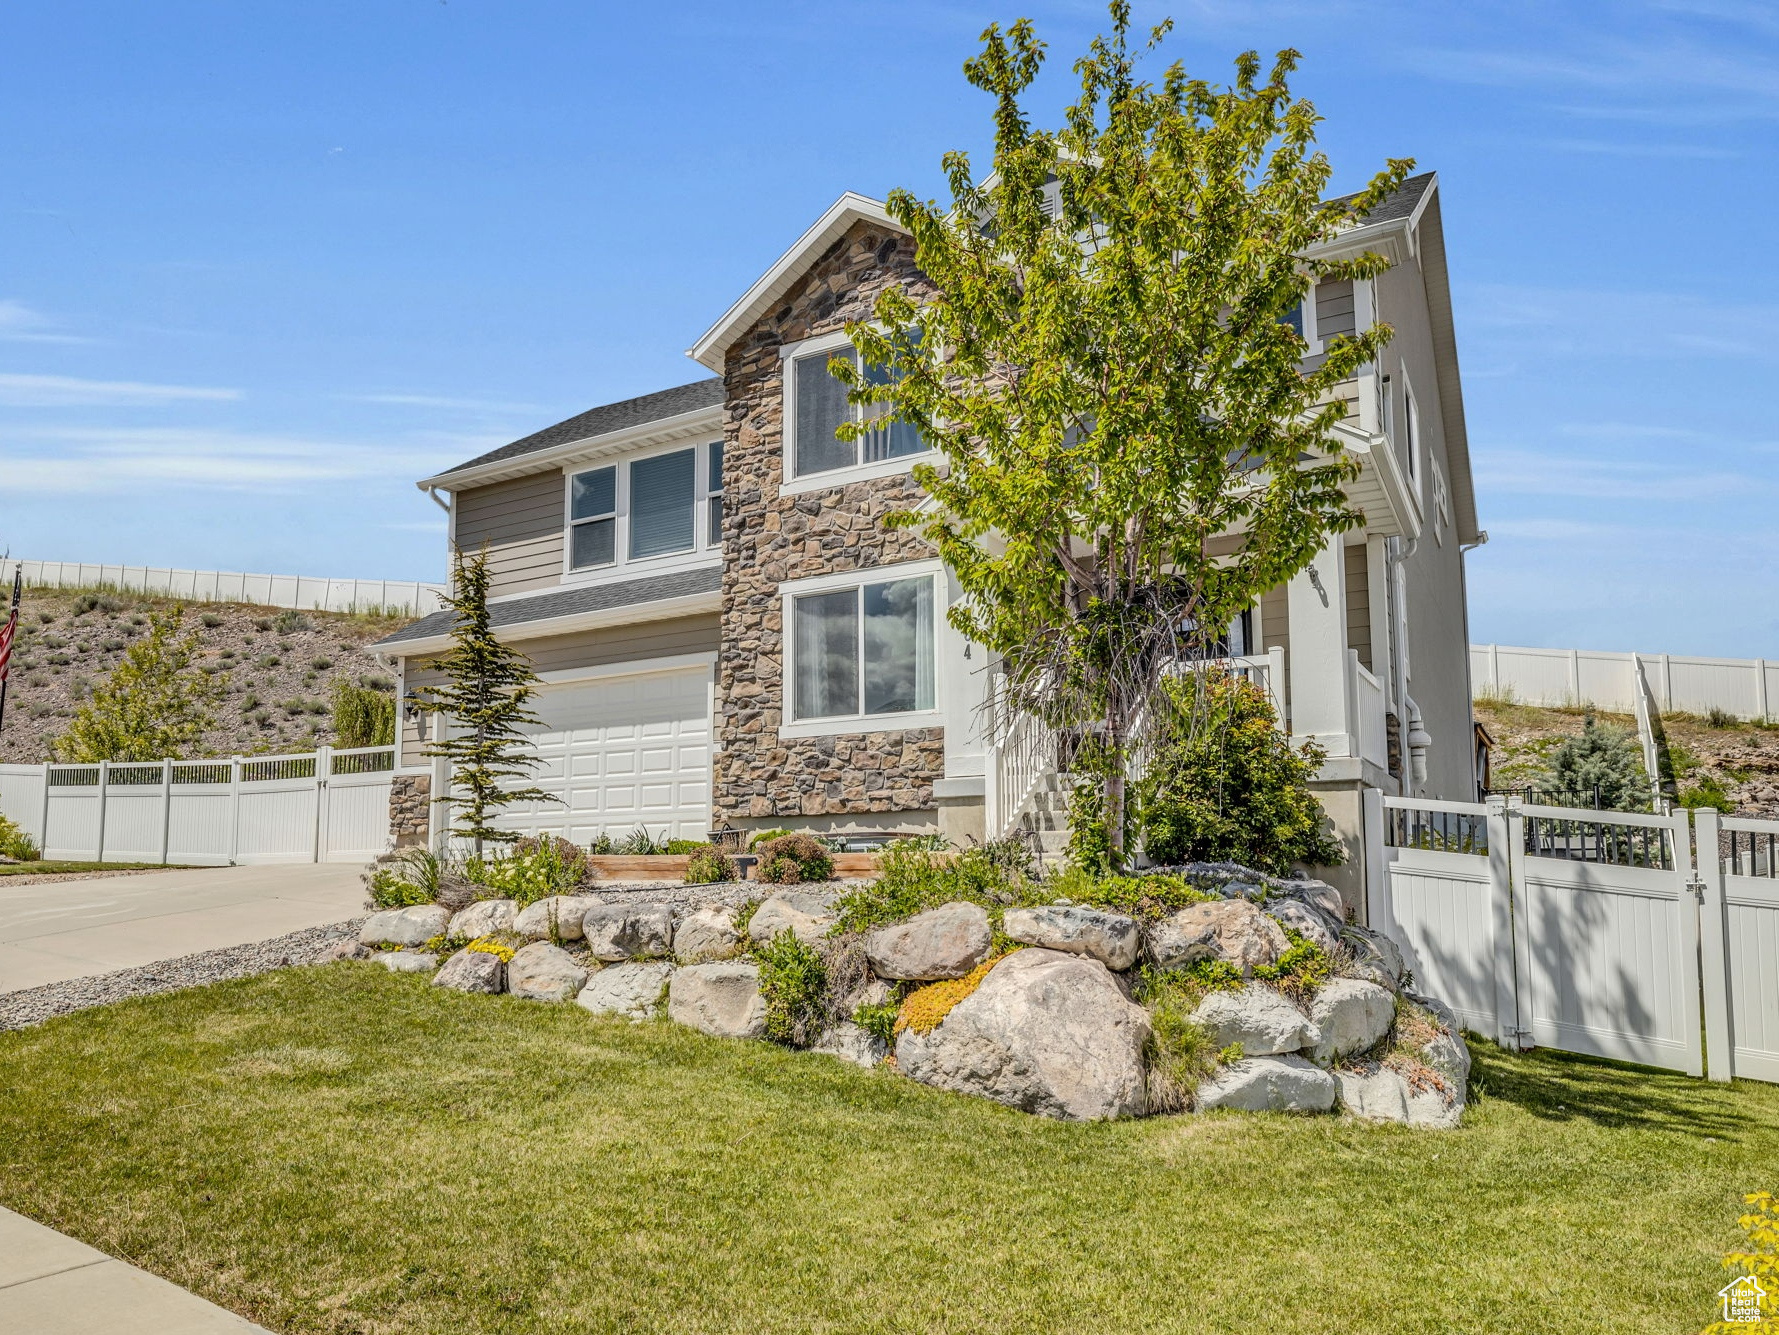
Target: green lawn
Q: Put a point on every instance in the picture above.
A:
(340, 1149)
(51, 868)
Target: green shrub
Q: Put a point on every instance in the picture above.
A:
(915, 878)
(1707, 792)
(709, 865)
(362, 717)
(793, 859)
(1604, 764)
(601, 845)
(759, 837)
(290, 621)
(534, 870)
(794, 986)
(1302, 969)
(1224, 784)
(639, 843)
(413, 878)
(1179, 1055)
(682, 847)
(745, 915)
(1145, 897)
(878, 1021)
(15, 843)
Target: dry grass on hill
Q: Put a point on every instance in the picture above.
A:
(278, 667)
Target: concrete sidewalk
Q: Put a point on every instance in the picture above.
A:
(56, 930)
(52, 1285)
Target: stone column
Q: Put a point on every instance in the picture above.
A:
(1317, 601)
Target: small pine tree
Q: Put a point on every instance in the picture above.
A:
(487, 693)
(152, 706)
(1601, 765)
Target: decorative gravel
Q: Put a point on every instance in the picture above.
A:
(309, 946)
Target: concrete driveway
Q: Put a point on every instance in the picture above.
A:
(57, 930)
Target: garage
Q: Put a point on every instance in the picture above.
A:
(622, 752)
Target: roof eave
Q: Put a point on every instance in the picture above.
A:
(551, 457)
(658, 609)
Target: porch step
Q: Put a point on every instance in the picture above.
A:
(1043, 819)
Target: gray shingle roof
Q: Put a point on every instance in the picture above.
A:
(1400, 204)
(610, 417)
(569, 602)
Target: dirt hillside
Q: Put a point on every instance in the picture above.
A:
(277, 667)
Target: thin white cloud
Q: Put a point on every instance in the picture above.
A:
(1583, 322)
(20, 324)
(1548, 472)
(438, 401)
(61, 391)
(1636, 148)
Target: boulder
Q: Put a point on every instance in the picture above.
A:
(346, 950)
(629, 931)
(472, 971)
(1306, 921)
(1224, 929)
(565, 911)
(627, 989)
(1269, 1084)
(1046, 1032)
(1111, 938)
(1378, 1093)
(708, 934)
(1243, 890)
(722, 1000)
(1447, 1053)
(1319, 895)
(1352, 1015)
(407, 961)
(946, 942)
(1376, 958)
(405, 927)
(1258, 1018)
(483, 918)
(808, 914)
(543, 972)
(852, 1044)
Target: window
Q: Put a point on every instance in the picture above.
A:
(863, 650)
(820, 407)
(661, 504)
(1411, 436)
(714, 489)
(1294, 318)
(593, 518)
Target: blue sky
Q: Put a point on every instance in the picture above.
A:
(263, 265)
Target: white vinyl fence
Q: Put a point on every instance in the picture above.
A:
(1745, 687)
(304, 592)
(321, 806)
(1589, 931)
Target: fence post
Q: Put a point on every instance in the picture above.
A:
(324, 768)
(1680, 831)
(1720, 1051)
(1760, 688)
(166, 807)
(43, 828)
(1504, 826)
(104, 783)
(1275, 686)
(234, 809)
(1377, 868)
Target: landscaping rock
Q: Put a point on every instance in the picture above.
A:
(1046, 1032)
(1257, 1017)
(405, 927)
(346, 950)
(852, 1044)
(722, 1000)
(1319, 895)
(626, 989)
(1352, 1015)
(946, 942)
(708, 934)
(1379, 1093)
(1376, 958)
(1229, 929)
(1269, 1084)
(543, 972)
(808, 914)
(1448, 1054)
(534, 920)
(1305, 920)
(1111, 938)
(483, 918)
(407, 961)
(629, 931)
(1243, 890)
(472, 971)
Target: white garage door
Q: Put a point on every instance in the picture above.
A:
(621, 753)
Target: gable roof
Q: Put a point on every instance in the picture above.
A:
(601, 421)
(786, 270)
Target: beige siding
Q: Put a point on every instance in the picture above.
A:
(521, 522)
(1334, 309)
(624, 644)
(1359, 605)
(1275, 625)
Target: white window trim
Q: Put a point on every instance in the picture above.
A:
(847, 724)
(623, 566)
(788, 483)
(1311, 335)
(1414, 437)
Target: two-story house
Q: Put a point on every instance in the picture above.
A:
(727, 633)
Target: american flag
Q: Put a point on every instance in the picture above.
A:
(12, 624)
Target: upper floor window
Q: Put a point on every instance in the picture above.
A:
(646, 508)
(817, 408)
(1411, 437)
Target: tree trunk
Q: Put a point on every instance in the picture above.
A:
(1113, 779)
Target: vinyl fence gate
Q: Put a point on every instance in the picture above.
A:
(1591, 931)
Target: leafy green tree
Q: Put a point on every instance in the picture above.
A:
(362, 716)
(484, 702)
(1224, 784)
(1603, 765)
(152, 706)
(1110, 369)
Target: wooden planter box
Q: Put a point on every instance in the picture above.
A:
(671, 868)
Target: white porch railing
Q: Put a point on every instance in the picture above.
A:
(1365, 699)
(319, 806)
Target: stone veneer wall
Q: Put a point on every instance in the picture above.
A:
(409, 799)
(768, 539)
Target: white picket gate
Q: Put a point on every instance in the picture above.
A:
(320, 806)
(1589, 931)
